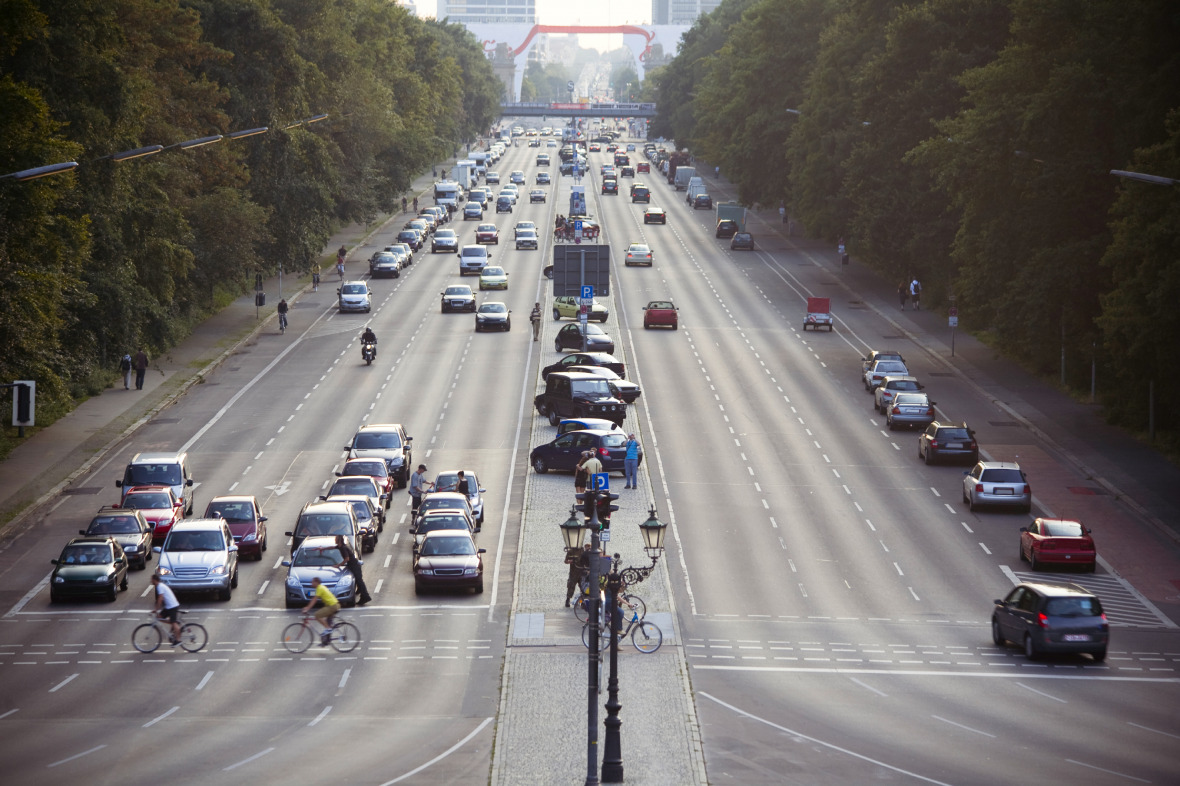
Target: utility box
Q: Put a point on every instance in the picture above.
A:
(575, 266)
(259, 299)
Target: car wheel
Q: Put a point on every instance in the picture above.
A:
(225, 593)
(557, 345)
(54, 597)
(1030, 648)
(602, 319)
(556, 315)
(676, 326)
(646, 326)
(147, 557)
(417, 588)
(539, 466)
(1033, 562)
(971, 504)
(233, 582)
(123, 584)
(997, 634)
(1099, 655)
(479, 586)
(1027, 508)
(112, 593)
(262, 548)
(1022, 557)
(1092, 567)
(554, 418)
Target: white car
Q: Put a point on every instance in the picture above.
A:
(523, 225)
(881, 369)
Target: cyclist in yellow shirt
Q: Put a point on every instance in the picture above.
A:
(326, 612)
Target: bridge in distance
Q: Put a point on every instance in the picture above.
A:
(577, 110)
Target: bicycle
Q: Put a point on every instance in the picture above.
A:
(149, 636)
(340, 270)
(299, 636)
(629, 604)
(645, 636)
(282, 323)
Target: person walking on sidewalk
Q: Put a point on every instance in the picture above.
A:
(631, 462)
(579, 564)
(535, 318)
(348, 560)
(916, 294)
(903, 294)
(125, 366)
(141, 364)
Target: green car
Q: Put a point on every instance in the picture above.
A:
(566, 307)
(493, 278)
(89, 567)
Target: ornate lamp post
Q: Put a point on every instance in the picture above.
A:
(653, 540)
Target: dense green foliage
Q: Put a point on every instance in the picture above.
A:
(119, 255)
(969, 143)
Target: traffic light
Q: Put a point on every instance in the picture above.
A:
(24, 403)
(589, 501)
(605, 508)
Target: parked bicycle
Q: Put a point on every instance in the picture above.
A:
(628, 603)
(299, 636)
(645, 636)
(149, 636)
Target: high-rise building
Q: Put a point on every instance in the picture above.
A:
(680, 12)
(488, 11)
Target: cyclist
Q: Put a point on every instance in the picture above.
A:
(415, 204)
(167, 607)
(282, 309)
(326, 612)
(315, 282)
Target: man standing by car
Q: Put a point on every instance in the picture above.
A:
(353, 564)
(631, 462)
(418, 486)
(535, 318)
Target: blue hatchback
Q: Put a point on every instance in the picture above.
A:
(562, 454)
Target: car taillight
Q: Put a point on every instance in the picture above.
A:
(603, 452)
(897, 410)
(934, 443)
(930, 411)
(1042, 620)
(978, 488)
(1027, 490)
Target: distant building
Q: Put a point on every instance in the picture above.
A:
(488, 11)
(680, 12)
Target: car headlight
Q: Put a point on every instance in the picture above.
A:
(105, 579)
(345, 581)
(217, 571)
(59, 580)
(253, 536)
(164, 571)
(425, 572)
(293, 581)
(131, 547)
(470, 571)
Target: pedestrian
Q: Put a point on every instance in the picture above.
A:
(403, 204)
(415, 204)
(315, 281)
(418, 486)
(434, 171)
(782, 213)
(579, 564)
(717, 172)
(125, 366)
(916, 294)
(580, 473)
(903, 294)
(141, 364)
(341, 254)
(592, 466)
(348, 560)
(535, 318)
(631, 462)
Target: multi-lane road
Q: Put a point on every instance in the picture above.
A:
(832, 592)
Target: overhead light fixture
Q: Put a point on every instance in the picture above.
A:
(41, 171)
(138, 152)
(247, 132)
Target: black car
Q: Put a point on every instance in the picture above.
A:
(701, 201)
(948, 441)
(562, 454)
(503, 204)
(458, 297)
(654, 215)
(727, 227)
(89, 567)
(573, 394)
(128, 528)
(1043, 617)
(493, 315)
(742, 241)
(587, 359)
(641, 194)
(610, 186)
(590, 337)
(410, 237)
(625, 389)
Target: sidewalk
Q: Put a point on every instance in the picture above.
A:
(54, 457)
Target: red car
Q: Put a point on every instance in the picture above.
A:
(662, 313)
(1057, 542)
(487, 233)
(243, 516)
(374, 468)
(158, 505)
(643, 168)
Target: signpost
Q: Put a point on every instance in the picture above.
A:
(953, 321)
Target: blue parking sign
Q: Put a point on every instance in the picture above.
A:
(587, 292)
(600, 481)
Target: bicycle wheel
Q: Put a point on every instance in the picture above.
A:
(297, 637)
(193, 637)
(582, 608)
(147, 637)
(345, 637)
(647, 637)
(603, 637)
(632, 603)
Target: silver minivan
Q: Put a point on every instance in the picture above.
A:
(160, 469)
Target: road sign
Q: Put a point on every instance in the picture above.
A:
(952, 311)
(952, 321)
(587, 292)
(600, 481)
(604, 536)
(570, 85)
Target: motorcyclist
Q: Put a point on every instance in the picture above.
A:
(369, 337)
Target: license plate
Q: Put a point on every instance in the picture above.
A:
(1002, 491)
(1075, 637)
(954, 444)
(911, 410)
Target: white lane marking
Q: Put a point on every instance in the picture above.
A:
(5, 715)
(1046, 695)
(262, 589)
(63, 683)
(961, 726)
(379, 583)
(1080, 675)
(159, 718)
(816, 740)
(1129, 723)
(869, 687)
(20, 604)
(396, 535)
(1103, 769)
(321, 716)
(204, 681)
(76, 756)
(442, 755)
(1007, 571)
(986, 550)
(258, 755)
(388, 557)
(344, 677)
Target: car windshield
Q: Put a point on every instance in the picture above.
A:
(194, 541)
(493, 308)
(444, 234)
(323, 524)
(488, 272)
(317, 558)
(591, 388)
(231, 511)
(456, 291)
(740, 236)
(526, 233)
(1062, 529)
(592, 330)
(153, 475)
(1073, 607)
(902, 384)
(447, 546)
(371, 440)
(362, 486)
(637, 248)
(450, 482)
(113, 525)
(361, 509)
(486, 228)
(1002, 476)
(613, 441)
(437, 504)
(660, 304)
(148, 501)
(86, 555)
(375, 468)
(353, 289)
(431, 523)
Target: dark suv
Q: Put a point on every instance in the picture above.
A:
(388, 442)
(1045, 617)
(578, 395)
(949, 442)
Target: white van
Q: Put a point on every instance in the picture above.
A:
(160, 469)
(473, 259)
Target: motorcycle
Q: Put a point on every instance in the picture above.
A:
(368, 352)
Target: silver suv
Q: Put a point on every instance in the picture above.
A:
(200, 555)
(388, 442)
(1001, 483)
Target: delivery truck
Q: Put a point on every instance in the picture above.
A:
(734, 212)
(682, 176)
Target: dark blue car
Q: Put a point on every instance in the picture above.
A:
(562, 454)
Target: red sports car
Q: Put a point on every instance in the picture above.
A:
(1057, 542)
(662, 313)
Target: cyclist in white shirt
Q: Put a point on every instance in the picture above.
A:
(167, 607)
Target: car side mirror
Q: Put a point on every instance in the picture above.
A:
(233, 549)
(286, 563)
(339, 474)
(190, 482)
(1000, 603)
(158, 549)
(322, 497)
(288, 534)
(118, 484)
(52, 562)
(1024, 529)
(481, 551)
(81, 532)
(262, 518)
